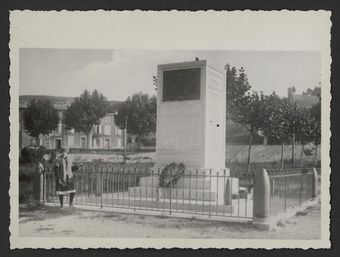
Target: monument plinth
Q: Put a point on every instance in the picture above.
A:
(191, 107)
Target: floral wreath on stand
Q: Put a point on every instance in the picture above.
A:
(170, 174)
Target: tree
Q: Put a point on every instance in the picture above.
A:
(275, 119)
(40, 118)
(298, 125)
(140, 111)
(85, 112)
(316, 91)
(306, 131)
(249, 113)
(253, 116)
(155, 82)
(243, 107)
(316, 134)
(236, 93)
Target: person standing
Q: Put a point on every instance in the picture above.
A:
(64, 177)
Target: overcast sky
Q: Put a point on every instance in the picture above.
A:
(120, 73)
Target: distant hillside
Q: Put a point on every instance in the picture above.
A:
(60, 102)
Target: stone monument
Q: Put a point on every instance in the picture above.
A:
(191, 117)
(191, 108)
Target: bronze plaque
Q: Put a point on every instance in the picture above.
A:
(180, 85)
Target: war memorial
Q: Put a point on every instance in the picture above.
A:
(191, 112)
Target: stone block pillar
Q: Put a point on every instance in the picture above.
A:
(261, 195)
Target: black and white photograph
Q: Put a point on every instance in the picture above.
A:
(169, 145)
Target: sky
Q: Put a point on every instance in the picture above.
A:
(120, 73)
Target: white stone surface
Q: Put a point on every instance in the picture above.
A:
(193, 131)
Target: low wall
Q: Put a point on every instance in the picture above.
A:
(266, 153)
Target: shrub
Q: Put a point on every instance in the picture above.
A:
(28, 182)
(32, 154)
(148, 141)
(25, 191)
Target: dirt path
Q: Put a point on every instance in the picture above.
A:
(72, 222)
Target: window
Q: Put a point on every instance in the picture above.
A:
(107, 143)
(107, 130)
(59, 127)
(118, 131)
(119, 142)
(70, 141)
(57, 143)
(83, 142)
(98, 142)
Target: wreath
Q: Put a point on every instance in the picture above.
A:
(170, 174)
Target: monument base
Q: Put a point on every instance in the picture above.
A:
(198, 187)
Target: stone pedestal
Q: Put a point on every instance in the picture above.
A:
(200, 187)
(191, 113)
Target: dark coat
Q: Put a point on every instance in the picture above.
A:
(64, 176)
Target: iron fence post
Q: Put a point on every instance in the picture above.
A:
(285, 206)
(300, 193)
(210, 191)
(217, 192)
(44, 185)
(134, 189)
(203, 192)
(170, 191)
(101, 187)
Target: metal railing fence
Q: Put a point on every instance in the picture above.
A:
(198, 192)
(289, 188)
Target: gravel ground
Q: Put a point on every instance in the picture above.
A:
(72, 222)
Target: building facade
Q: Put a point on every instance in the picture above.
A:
(306, 101)
(105, 135)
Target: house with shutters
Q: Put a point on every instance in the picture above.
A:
(105, 135)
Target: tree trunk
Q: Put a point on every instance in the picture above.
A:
(139, 142)
(265, 140)
(37, 141)
(282, 148)
(315, 155)
(293, 148)
(301, 155)
(249, 151)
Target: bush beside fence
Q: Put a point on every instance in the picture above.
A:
(29, 183)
